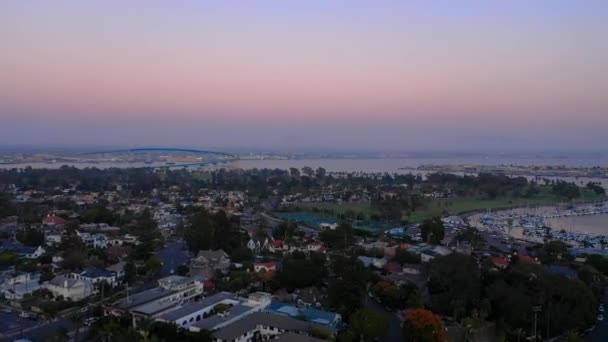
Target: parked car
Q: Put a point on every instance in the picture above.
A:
(600, 317)
(6, 311)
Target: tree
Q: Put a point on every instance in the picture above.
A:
(153, 265)
(77, 319)
(421, 325)
(320, 172)
(182, 270)
(367, 324)
(212, 231)
(348, 285)
(298, 272)
(340, 238)
(454, 284)
(31, 237)
(432, 230)
(146, 230)
(285, 230)
(130, 272)
(472, 236)
(307, 170)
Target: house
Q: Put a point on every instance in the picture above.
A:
(316, 247)
(429, 252)
(118, 269)
(23, 251)
(258, 244)
(117, 253)
(526, 259)
(328, 226)
(308, 297)
(96, 275)
(501, 262)
(375, 262)
(53, 220)
(276, 245)
(69, 288)
(265, 266)
(96, 240)
(208, 261)
(15, 288)
(52, 239)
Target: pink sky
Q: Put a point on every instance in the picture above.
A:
(477, 69)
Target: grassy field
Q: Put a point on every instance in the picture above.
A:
(438, 207)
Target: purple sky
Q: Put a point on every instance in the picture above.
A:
(305, 74)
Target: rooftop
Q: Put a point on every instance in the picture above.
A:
(193, 307)
(312, 315)
(143, 297)
(249, 323)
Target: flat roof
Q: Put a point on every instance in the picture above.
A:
(250, 322)
(190, 308)
(211, 322)
(293, 337)
(143, 297)
(154, 307)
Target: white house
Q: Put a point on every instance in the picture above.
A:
(69, 288)
(15, 288)
(96, 275)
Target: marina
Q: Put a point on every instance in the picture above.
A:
(583, 227)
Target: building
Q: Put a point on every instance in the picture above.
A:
(118, 269)
(320, 317)
(15, 288)
(216, 311)
(69, 288)
(265, 266)
(429, 252)
(53, 220)
(23, 251)
(207, 262)
(262, 326)
(258, 244)
(96, 275)
(171, 292)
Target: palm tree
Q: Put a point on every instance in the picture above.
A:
(519, 332)
(108, 330)
(571, 336)
(77, 319)
(143, 327)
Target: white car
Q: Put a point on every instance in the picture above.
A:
(601, 308)
(600, 317)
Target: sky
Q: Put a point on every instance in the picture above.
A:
(292, 75)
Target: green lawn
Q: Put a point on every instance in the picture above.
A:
(437, 207)
(461, 205)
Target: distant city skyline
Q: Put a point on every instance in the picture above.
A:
(306, 75)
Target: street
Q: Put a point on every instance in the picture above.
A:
(173, 255)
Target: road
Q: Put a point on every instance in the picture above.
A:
(394, 323)
(600, 332)
(173, 255)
